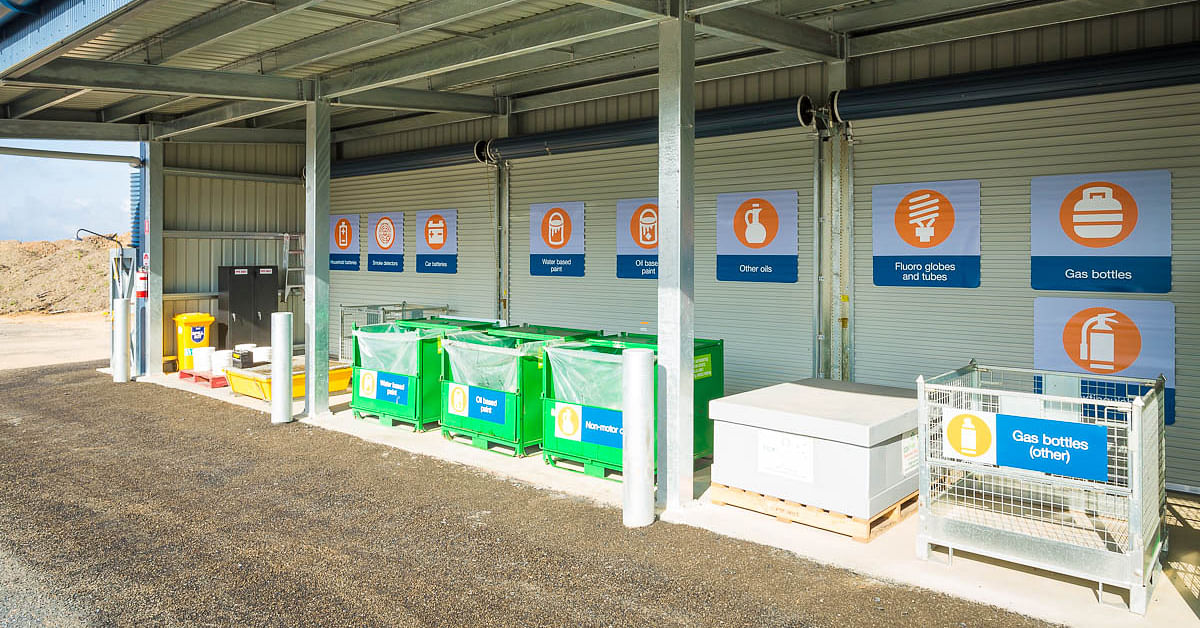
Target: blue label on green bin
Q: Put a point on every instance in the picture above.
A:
(588, 424)
(477, 403)
(383, 386)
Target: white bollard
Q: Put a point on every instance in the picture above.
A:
(637, 442)
(120, 341)
(281, 367)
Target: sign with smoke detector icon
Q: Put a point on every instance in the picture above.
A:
(343, 242)
(1101, 232)
(926, 234)
(757, 237)
(1120, 337)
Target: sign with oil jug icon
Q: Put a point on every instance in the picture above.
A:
(556, 246)
(637, 238)
(437, 241)
(1106, 336)
(343, 242)
(757, 236)
(1102, 232)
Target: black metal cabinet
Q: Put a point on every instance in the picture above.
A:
(247, 295)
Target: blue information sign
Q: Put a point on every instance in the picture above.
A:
(637, 238)
(926, 234)
(437, 241)
(556, 244)
(757, 237)
(1076, 450)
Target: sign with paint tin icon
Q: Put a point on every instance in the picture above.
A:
(637, 238)
(556, 239)
(1101, 232)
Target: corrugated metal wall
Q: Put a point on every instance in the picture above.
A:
(900, 333)
(768, 328)
(1141, 29)
(469, 189)
(200, 204)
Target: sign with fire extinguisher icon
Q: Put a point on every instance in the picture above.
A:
(1102, 232)
(1119, 337)
(926, 234)
(343, 242)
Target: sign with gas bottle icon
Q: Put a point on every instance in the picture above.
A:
(556, 245)
(637, 238)
(1119, 337)
(757, 237)
(1102, 232)
(926, 234)
(343, 242)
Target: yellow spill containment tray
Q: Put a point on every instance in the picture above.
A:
(256, 382)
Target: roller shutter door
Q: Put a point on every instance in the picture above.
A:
(900, 333)
(767, 328)
(469, 189)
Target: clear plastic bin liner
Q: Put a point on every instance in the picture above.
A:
(396, 351)
(477, 359)
(590, 378)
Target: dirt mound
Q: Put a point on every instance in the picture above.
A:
(53, 277)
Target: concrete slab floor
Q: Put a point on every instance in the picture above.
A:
(891, 556)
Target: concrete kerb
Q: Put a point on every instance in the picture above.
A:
(890, 557)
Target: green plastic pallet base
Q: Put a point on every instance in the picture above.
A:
(388, 420)
(489, 443)
(581, 465)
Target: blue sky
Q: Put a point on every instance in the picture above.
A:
(48, 199)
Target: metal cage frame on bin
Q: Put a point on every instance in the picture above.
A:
(351, 316)
(1109, 532)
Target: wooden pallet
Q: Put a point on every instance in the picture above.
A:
(791, 512)
(204, 378)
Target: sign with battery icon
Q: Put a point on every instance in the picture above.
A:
(1119, 337)
(1102, 232)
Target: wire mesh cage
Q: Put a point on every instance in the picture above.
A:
(351, 316)
(1100, 519)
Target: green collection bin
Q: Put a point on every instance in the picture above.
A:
(492, 385)
(582, 406)
(398, 368)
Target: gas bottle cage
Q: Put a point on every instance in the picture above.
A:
(1109, 532)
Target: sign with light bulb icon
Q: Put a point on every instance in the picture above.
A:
(343, 242)
(1101, 232)
(926, 234)
(556, 246)
(757, 236)
(1107, 336)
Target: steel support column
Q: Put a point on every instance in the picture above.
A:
(676, 270)
(316, 258)
(152, 239)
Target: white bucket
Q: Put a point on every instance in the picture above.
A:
(245, 346)
(202, 359)
(222, 360)
(262, 354)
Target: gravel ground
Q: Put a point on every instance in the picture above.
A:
(138, 505)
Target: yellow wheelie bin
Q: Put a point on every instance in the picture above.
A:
(191, 331)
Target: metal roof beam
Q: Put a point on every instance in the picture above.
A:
(649, 82)
(398, 126)
(1022, 17)
(231, 135)
(217, 116)
(54, 130)
(700, 7)
(562, 28)
(405, 21)
(136, 106)
(40, 38)
(156, 79)
(420, 100)
(771, 31)
(217, 25)
(39, 101)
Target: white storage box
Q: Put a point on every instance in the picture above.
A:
(849, 448)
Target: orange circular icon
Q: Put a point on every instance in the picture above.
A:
(1098, 214)
(924, 218)
(643, 226)
(385, 233)
(556, 228)
(342, 233)
(435, 231)
(755, 223)
(1102, 340)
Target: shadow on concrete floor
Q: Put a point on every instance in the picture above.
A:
(1182, 566)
